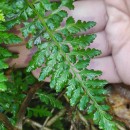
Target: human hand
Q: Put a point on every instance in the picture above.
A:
(112, 29)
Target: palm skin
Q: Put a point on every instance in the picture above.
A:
(112, 29)
(117, 32)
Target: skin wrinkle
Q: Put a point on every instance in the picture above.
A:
(115, 68)
(115, 26)
(128, 5)
(120, 48)
(116, 4)
(110, 48)
(124, 71)
(117, 30)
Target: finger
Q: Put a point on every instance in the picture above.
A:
(107, 66)
(24, 56)
(101, 43)
(122, 62)
(122, 5)
(91, 11)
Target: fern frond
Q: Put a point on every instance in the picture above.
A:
(38, 112)
(65, 57)
(4, 54)
(6, 38)
(49, 99)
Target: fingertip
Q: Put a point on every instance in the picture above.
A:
(36, 74)
(107, 66)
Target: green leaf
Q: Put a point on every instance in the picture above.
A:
(105, 107)
(29, 45)
(91, 53)
(83, 102)
(62, 80)
(24, 15)
(47, 5)
(96, 83)
(91, 109)
(46, 36)
(56, 74)
(57, 17)
(46, 71)
(67, 3)
(62, 13)
(74, 28)
(96, 117)
(30, 79)
(2, 16)
(99, 99)
(11, 23)
(40, 8)
(29, 12)
(37, 60)
(37, 41)
(3, 87)
(72, 86)
(29, 28)
(65, 48)
(90, 74)
(2, 28)
(99, 91)
(58, 37)
(82, 41)
(82, 64)
(88, 53)
(2, 77)
(70, 20)
(75, 96)
(107, 125)
(39, 25)
(38, 112)
(72, 59)
(49, 99)
(9, 38)
(19, 4)
(3, 65)
(51, 24)
(5, 53)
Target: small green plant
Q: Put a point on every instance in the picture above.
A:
(63, 52)
(2, 16)
(6, 38)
